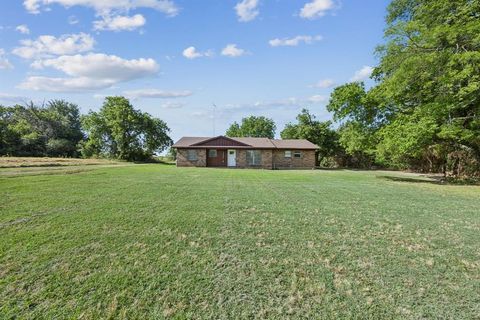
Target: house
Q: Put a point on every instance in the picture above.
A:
(261, 153)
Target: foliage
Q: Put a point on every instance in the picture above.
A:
(252, 126)
(51, 130)
(120, 131)
(425, 105)
(318, 132)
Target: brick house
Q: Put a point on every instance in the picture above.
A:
(260, 153)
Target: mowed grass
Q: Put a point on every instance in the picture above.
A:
(155, 241)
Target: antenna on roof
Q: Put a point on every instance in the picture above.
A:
(214, 108)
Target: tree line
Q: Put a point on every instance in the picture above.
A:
(57, 129)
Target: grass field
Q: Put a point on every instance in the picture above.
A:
(155, 241)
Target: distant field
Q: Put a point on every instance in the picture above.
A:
(156, 241)
(14, 162)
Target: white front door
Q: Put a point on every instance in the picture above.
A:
(232, 158)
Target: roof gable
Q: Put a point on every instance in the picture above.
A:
(221, 141)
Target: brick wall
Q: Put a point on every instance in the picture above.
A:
(266, 159)
(307, 160)
(182, 160)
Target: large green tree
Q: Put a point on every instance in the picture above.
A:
(118, 130)
(50, 130)
(252, 126)
(315, 131)
(425, 105)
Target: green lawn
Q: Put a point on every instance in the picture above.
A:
(155, 241)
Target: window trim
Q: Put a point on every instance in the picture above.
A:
(290, 154)
(259, 158)
(190, 152)
(297, 154)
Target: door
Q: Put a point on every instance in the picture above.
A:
(232, 158)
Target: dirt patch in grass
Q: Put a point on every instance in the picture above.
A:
(19, 162)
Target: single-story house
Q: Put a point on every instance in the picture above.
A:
(261, 153)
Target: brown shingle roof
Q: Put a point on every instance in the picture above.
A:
(294, 144)
(261, 143)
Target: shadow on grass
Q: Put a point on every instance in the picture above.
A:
(439, 180)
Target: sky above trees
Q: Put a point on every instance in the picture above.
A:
(174, 59)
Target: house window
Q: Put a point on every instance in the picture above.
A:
(288, 154)
(192, 155)
(297, 154)
(254, 157)
(212, 153)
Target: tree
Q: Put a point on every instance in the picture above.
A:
(51, 130)
(120, 131)
(425, 105)
(260, 127)
(315, 131)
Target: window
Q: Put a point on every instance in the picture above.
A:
(192, 155)
(212, 153)
(254, 157)
(288, 154)
(297, 154)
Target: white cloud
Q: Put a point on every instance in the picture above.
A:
(156, 93)
(172, 105)
(89, 72)
(292, 42)
(247, 10)
(11, 98)
(80, 84)
(119, 23)
(4, 63)
(362, 74)
(317, 99)
(106, 6)
(47, 45)
(316, 8)
(325, 83)
(192, 53)
(23, 28)
(231, 50)
(73, 20)
(275, 104)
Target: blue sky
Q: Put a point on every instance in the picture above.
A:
(175, 58)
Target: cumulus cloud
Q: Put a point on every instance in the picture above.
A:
(4, 63)
(295, 41)
(47, 45)
(231, 50)
(156, 93)
(89, 72)
(362, 74)
(247, 10)
(192, 53)
(322, 84)
(316, 8)
(119, 23)
(167, 7)
(23, 28)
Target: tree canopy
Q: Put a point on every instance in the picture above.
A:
(118, 130)
(318, 132)
(252, 126)
(424, 107)
(50, 130)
